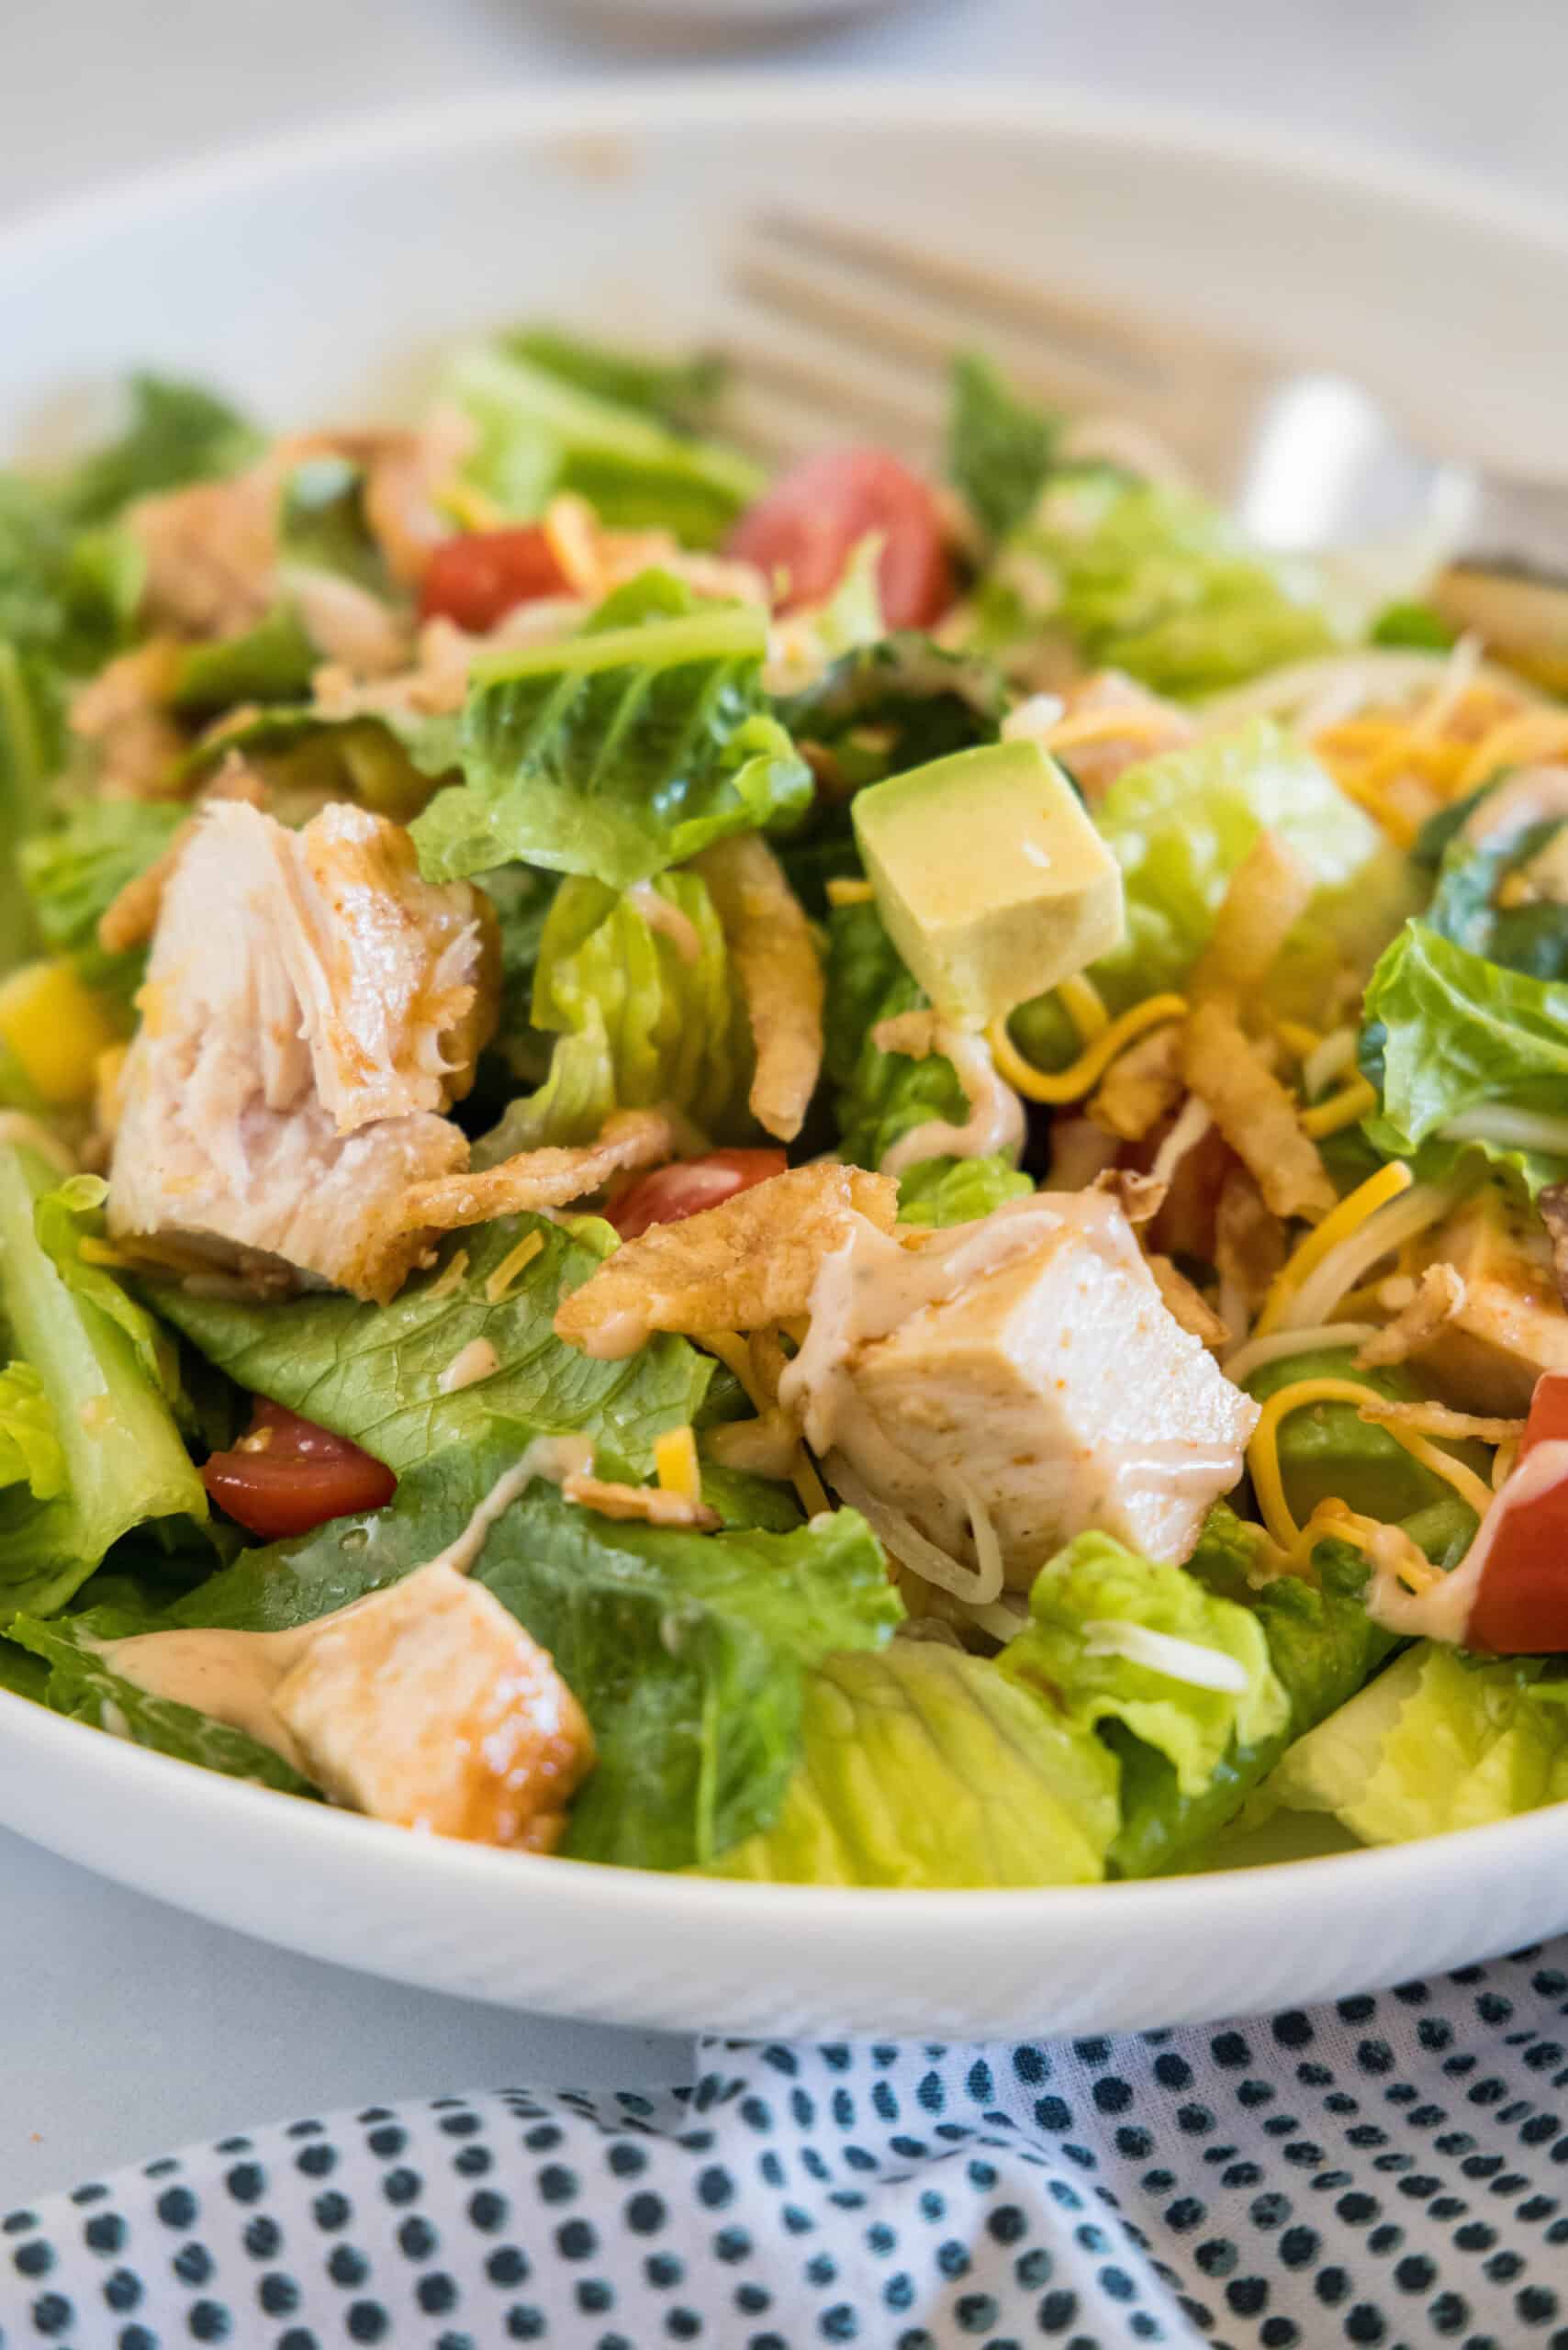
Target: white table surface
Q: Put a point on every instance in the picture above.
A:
(127, 2028)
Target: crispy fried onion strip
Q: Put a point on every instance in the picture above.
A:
(651, 1504)
(1253, 1112)
(1187, 1305)
(749, 1261)
(1438, 1419)
(1440, 1294)
(1142, 1085)
(782, 980)
(1268, 892)
(1250, 1246)
(540, 1179)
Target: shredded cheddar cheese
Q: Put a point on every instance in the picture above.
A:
(1084, 1006)
(846, 892)
(1297, 1038)
(675, 1463)
(1082, 1076)
(1342, 1109)
(1337, 1226)
(1263, 1452)
(445, 1283)
(503, 1279)
(733, 1352)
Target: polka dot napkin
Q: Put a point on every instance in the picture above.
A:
(1392, 2171)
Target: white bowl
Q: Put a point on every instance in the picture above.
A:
(303, 277)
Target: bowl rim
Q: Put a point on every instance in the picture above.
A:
(625, 105)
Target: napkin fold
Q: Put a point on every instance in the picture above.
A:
(1388, 2171)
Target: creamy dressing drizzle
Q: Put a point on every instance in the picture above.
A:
(1187, 1660)
(235, 1676)
(476, 1361)
(1442, 1612)
(661, 914)
(995, 1122)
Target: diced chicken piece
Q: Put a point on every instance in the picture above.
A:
(311, 1007)
(1511, 1326)
(211, 552)
(1027, 1367)
(123, 712)
(429, 1706)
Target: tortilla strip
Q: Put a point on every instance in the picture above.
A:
(1142, 1085)
(650, 1504)
(750, 1262)
(1440, 1296)
(1438, 1419)
(552, 1178)
(1249, 1242)
(1253, 1112)
(1187, 1305)
(1268, 892)
(770, 943)
(1139, 1197)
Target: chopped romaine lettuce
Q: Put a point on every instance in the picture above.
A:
(123, 1458)
(686, 1651)
(1181, 824)
(1116, 1638)
(638, 1017)
(1154, 580)
(622, 750)
(923, 1766)
(999, 447)
(30, 1451)
(1469, 1057)
(538, 433)
(958, 1191)
(29, 741)
(1470, 904)
(175, 433)
(681, 392)
(1439, 1740)
(373, 1373)
(879, 1096)
(322, 524)
(73, 871)
(271, 662)
(83, 1685)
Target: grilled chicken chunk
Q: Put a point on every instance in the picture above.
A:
(1025, 1366)
(1510, 1325)
(311, 1008)
(429, 1706)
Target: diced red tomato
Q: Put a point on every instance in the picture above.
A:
(1521, 1607)
(286, 1475)
(808, 525)
(477, 579)
(672, 1193)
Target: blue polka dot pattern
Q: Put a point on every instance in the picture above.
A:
(1391, 2171)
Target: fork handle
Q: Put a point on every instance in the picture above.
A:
(1519, 526)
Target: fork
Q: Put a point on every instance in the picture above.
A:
(849, 325)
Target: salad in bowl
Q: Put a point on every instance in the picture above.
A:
(858, 1179)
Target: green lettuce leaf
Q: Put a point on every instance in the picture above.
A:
(175, 433)
(959, 1190)
(124, 1461)
(273, 661)
(1439, 1742)
(681, 392)
(1531, 937)
(1180, 825)
(622, 751)
(30, 744)
(1086, 1649)
(373, 1373)
(538, 433)
(998, 447)
(635, 1023)
(687, 1653)
(322, 524)
(30, 1451)
(1449, 1036)
(923, 1766)
(84, 1685)
(1328, 1451)
(1154, 580)
(878, 1096)
(73, 872)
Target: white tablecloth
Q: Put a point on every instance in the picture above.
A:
(125, 2026)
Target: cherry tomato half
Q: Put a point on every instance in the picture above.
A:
(477, 579)
(809, 524)
(286, 1475)
(1521, 1607)
(672, 1193)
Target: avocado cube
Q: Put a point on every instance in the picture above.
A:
(992, 882)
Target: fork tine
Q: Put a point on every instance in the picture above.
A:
(917, 333)
(1136, 350)
(906, 411)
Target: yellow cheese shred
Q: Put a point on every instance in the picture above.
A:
(733, 1352)
(675, 1463)
(1337, 1226)
(1263, 1452)
(1342, 1109)
(848, 892)
(512, 1264)
(1082, 1076)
